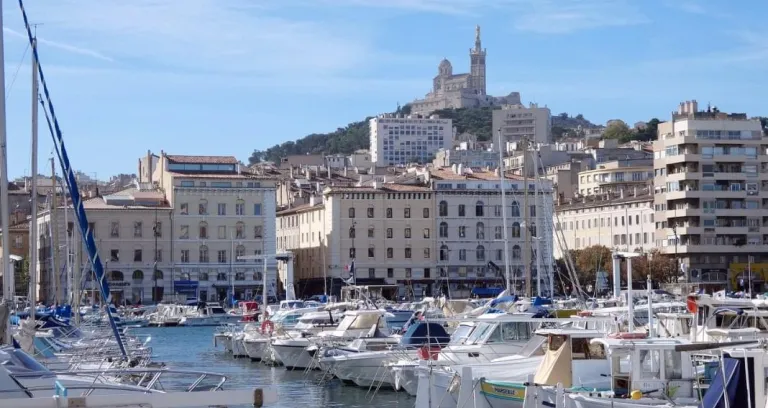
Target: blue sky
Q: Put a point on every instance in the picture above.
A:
(228, 76)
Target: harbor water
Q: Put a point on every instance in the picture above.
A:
(191, 348)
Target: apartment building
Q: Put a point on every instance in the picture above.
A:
(219, 214)
(132, 230)
(401, 139)
(518, 121)
(387, 230)
(711, 191)
(622, 220)
(470, 232)
(615, 176)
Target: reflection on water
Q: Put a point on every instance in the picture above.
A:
(191, 348)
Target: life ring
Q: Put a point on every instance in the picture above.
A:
(267, 324)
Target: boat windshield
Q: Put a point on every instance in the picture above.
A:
(359, 321)
(482, 331)
(18, 362)
(461, 334)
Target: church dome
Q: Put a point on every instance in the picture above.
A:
(445, 67)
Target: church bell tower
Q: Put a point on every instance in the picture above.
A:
(477, 65)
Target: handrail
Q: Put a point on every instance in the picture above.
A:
(74, 191)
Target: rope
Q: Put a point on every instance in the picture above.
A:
(74, 191)
(13, 80)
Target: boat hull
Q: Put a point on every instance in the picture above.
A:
(293, 356)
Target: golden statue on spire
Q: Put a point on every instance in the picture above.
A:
(477, 32)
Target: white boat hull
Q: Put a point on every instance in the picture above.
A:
(293, 356)
(255, 348)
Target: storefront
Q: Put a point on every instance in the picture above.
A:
(120, 291)
(186, 287)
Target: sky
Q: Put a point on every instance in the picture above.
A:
(225, 77)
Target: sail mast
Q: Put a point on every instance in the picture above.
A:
(4, 217)
(33, 238)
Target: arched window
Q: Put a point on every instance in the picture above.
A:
(240, 207)
(516, 252)
(480, 233)
(479, 209)
(203, 230)
(443, 208)
(443, 230)
(138, 275)
(203, 276)
(158, 274)
(444, 252)
(480, 253)
(240, 230)
(516, 230)
(116, 276)
(203, 254)
(515, 209)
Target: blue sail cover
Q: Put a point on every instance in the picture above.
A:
(732, 386)
(74, 190)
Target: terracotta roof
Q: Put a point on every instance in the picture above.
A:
(202, 159)
(384, 188)
(448, 174)
(301, 208)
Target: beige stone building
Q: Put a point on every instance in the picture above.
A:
(615, 176)
(622, 221)
(711, 182)
(386, 229)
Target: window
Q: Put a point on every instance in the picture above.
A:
(444, 252)
(533, 229)
(204, 254)
(497, 211)
(426, 232)
(390, 253)
(443, 209)
(372, 273)
(352, 232)
(184, 208)
(515, 209)
(257, 209)
(425, 212)
(371, 252)
(114, 230)
(389, 233)
(497, 232)
(390, 272)
(407, 213)
(352, 252)
(240, 230)
(114, 255)
(462, 210)
(137, 255)
(407, 253)
(222, 232)
(407, 232)
(18, 241)
(370, 212)
(426, 253)
(443, 230)
(185, 256)
(258, 231)
(222, 209)
(480, 231)
(408, 273)
(516, 252)
(479, 209)
(462, 254)
(222, 256)
(202, 208)
(462, 231)
(499, 254)
(426, 273)
(389, 212)
(157, 229)
(480, 253)
(240, 207)
(352, 213)
(137, 229)
(184, 234)
(532, 211)
(370, 232)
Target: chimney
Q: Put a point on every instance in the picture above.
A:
(621, 193)
(312, 199)
(345, 171)
(149, 166)
(329, 172)
(634, 193)
(376, 184)
(291, 172)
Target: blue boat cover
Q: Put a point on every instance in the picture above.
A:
(733, 386)
(422, 333)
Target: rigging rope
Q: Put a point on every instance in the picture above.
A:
(74, 191)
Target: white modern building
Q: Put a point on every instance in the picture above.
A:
(518, 121)
(401, 139)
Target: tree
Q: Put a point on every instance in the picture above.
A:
(590, 260)
(662, 267)
(617, 129)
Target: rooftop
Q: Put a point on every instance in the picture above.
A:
(382, 188)
(607, 199)
(202, 159)
(449, 174)
(301, 208)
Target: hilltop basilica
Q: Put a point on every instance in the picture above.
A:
(451, 90)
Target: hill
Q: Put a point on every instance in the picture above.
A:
(355, 136)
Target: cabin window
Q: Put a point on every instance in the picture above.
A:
(673, 365)
(555, 342)
(515, 331)
(460, 335)
(480, 332)
(649, 364)
(581, 349)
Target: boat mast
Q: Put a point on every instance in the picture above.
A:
(502, 182)
(54, 235)
(33, 238)
(526, 222)
(4, 217)
(264, 295)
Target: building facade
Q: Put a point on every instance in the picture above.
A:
(616, 176)
(711, 185)
(623, 221)
(517, 122)
(398, 140)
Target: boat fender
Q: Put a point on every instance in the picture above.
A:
(267, 326)
(636, 395)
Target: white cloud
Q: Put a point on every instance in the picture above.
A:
(59, 45)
